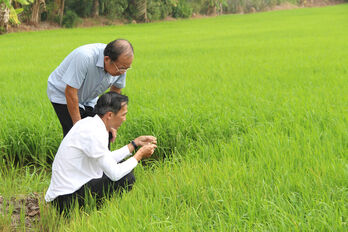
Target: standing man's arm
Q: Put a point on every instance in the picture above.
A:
(115, 89)
(113, 131)
(72, 102)
(74, 77)
(119, 84)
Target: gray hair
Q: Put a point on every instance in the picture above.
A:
(117, 47)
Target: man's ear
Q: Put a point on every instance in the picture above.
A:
(108, 115)
(107, 59)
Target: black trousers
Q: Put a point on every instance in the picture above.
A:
(99, 189)
(66, 121)
(64, 116)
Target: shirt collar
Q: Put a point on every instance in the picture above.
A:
(100, 62)
(99, 121)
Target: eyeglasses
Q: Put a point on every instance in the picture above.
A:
(121, 69)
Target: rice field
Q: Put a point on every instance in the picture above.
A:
(250, 112)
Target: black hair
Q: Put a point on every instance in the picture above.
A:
(117, 47)
(110, 102)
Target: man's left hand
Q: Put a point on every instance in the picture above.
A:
(114, 134)
(145, 139)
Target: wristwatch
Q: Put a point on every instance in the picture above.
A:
(134, 145)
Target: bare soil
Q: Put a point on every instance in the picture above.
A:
(26, 27)
(27, 205)
(306, 3)
(85, 22)
(99, 21)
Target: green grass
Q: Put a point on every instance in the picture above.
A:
(250, 111)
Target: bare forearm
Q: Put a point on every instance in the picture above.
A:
(138, 157)
(147, 144)
(130, 147)
(72, 102)
(115, 89)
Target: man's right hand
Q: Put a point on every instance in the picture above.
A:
(145, 139)
(145, 152)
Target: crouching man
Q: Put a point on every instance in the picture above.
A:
(84, 164)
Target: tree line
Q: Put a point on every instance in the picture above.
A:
(68, 13)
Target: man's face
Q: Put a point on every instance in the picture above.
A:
(117, 119)
(118, 67)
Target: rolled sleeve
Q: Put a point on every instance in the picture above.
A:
(120, 82)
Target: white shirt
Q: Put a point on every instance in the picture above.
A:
(83, 155)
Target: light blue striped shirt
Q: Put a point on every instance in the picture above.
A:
(83, 69)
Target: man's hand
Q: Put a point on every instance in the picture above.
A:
(144, 140)
(114, 134)
(145, 152)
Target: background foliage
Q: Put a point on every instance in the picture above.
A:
(67, 13)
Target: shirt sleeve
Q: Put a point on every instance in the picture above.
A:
(121, 81)
(77, 70)
(114, 170)
(120, 154)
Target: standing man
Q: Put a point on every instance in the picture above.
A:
(88, 71)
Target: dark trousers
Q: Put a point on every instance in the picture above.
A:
(64, 116)
(66, 121)
(99, 189)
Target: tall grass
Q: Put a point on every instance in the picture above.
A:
(250, 112)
